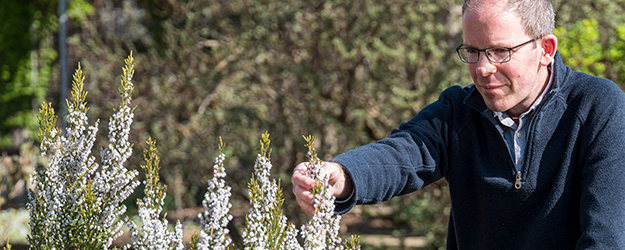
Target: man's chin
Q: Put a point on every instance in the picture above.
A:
(497, 107)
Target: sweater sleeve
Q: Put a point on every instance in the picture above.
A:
(412, 157)
(602, 201)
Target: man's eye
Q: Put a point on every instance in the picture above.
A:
(472, 51)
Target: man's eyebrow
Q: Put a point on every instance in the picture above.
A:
(464, 45)
(467, 45)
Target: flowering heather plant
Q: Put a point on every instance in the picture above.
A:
(322, 230)
(216, 216)
(154, 233)
(266, 226)
(76, 203)
(73, 205)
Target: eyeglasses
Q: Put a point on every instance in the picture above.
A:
(494, 54)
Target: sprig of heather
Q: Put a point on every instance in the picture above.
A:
(71, 206)
(321, 232)
(266, 226)
(44, 202)
(57, 197)
(114, 183)
(153, 233)
(216, 216)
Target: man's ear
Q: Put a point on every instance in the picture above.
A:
(549, 45)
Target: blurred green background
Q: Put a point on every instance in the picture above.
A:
(346, 72)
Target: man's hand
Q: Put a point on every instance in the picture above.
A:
(341, 185)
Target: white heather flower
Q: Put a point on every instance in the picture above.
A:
(266, 226)
(215, 219)
(321, 232)
(154, 233)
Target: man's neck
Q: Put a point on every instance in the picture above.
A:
(547, 82)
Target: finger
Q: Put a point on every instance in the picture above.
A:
(301, 167)
(302, 193)
(304, 199)
(300, 178)
(307, 207)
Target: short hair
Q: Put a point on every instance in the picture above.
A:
(537, 16)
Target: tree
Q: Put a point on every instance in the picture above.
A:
(25, 68)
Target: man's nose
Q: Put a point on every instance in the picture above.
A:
(484, 66)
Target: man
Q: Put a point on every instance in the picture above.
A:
(533, 152)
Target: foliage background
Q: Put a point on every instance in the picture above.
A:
(346, 72)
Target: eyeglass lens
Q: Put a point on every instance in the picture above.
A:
(497, 55)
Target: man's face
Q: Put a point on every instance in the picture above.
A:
(506, 87)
